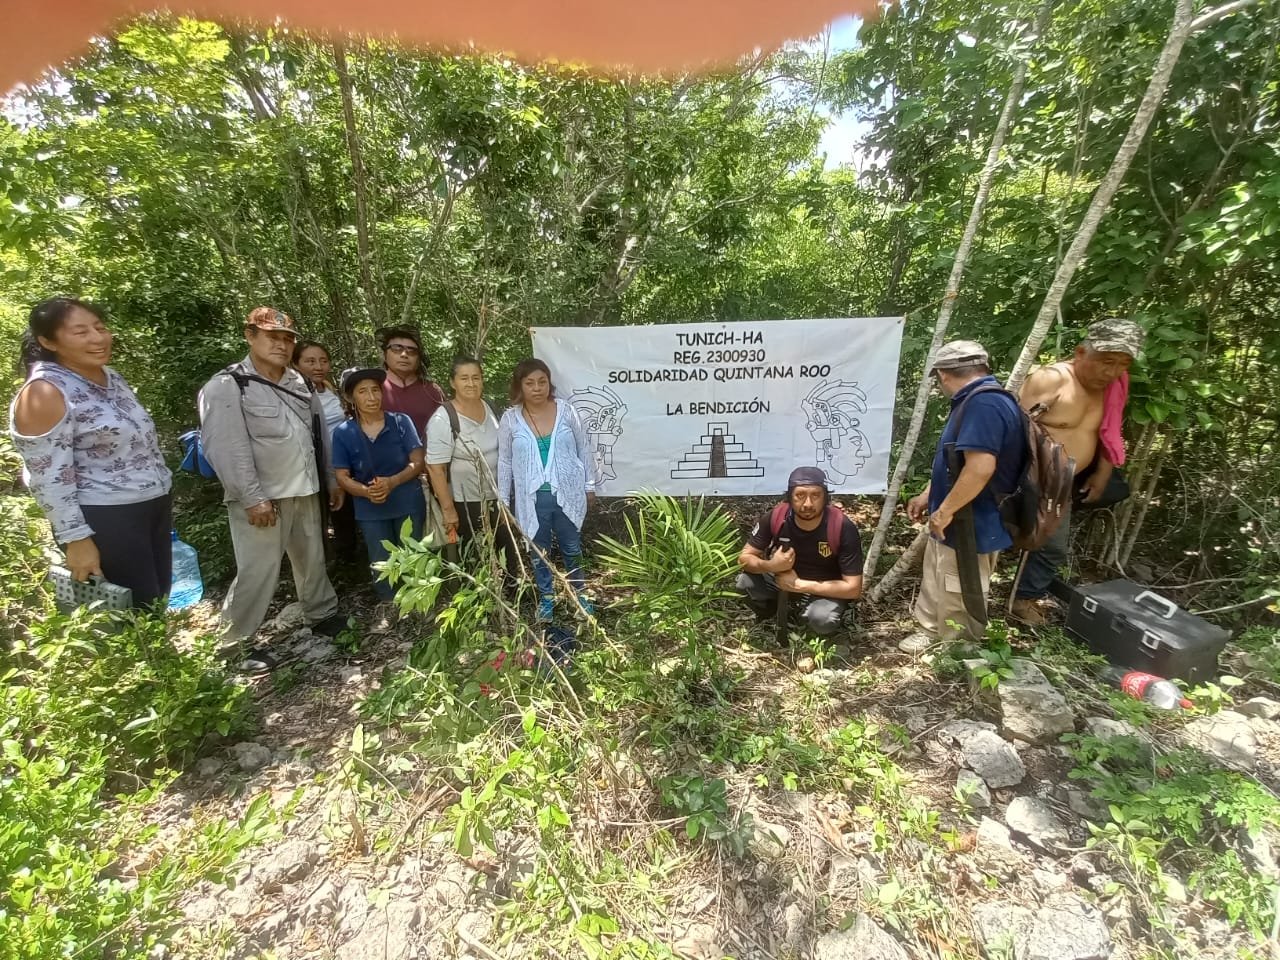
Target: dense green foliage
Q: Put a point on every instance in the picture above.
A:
(94, 708)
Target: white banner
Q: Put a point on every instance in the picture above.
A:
(731, 408)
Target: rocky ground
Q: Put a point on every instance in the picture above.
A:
(1019, 880)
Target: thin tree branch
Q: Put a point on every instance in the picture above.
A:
(985, 181)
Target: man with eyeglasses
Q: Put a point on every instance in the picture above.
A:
(408, 389)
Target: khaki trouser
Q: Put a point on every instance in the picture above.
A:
(940, 599)
(258, 550)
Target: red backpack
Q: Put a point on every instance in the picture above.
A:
(835, 524)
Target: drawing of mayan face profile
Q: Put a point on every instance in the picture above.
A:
(832, 410)
(602, 412)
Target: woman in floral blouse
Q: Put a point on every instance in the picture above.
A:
(91, 457)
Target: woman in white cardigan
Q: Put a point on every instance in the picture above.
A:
(547, 473)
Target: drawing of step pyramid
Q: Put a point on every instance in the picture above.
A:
(717, 454)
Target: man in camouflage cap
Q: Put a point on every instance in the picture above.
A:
(1116, 335)
(1083, 402)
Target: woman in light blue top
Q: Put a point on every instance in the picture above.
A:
(547, 474)
(90, 454)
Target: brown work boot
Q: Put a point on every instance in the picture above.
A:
(1028, 611)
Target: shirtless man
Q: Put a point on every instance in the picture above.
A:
(1072, 393)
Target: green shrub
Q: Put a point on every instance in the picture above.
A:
(64, 887)
(119, 681)
(679, 554)
(83, 706)
(1170, 812)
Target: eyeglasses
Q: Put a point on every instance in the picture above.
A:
(401, 348)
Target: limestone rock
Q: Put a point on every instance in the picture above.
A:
(1261, 707)
(383, 933)
(986, 753)
(1081, 804)
(770, 840)
(475, 926)
(699, 942)
(1048, 881)
(999, 927)
(972, 786)
(1226, 736)
(292, 862)
(795, 925)
(865, 940)
(1104, 728)
(321, 905)
(850, 876)
(994, 848)
(1036, 821)
(318, 649)
(251, 756)
(290, 617)
(208, 768)
(1066, 929)
(272, 930)
(1031, 708)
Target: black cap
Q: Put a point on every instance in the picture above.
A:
(806, 477)
(353, 375)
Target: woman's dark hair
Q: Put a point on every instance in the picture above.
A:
(522, 370)
(386, 334)
(305, 345)
(464, 362)
(45, 320)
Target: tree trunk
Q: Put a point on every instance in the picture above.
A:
(1126, 547)
(900, 569)
(1141, 459)
(985, 181)
(360, 186)
(1183, 26)
(1178, 34)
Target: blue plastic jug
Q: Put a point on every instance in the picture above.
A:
(187, 587)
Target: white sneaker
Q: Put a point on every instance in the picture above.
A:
(916, 643)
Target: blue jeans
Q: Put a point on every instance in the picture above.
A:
(552, 520)
(375, 531)
(1043, 565)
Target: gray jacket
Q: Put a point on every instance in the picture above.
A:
(260, 442)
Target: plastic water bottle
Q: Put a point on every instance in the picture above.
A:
(187, 587)
(1157, 691)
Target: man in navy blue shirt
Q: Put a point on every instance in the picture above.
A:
(991, 438)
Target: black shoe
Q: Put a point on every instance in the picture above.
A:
(330, 626)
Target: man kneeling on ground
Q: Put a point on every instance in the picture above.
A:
(806, 546)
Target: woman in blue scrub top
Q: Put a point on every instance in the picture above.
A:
(378, 458)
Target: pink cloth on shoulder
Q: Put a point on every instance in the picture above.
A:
(1110, 432)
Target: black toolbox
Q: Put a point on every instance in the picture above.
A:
(1133, 627)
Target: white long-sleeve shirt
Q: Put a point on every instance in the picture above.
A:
(570, 467)
(259, 439)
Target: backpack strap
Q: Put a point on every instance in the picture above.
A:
(242, 379)
(450, 411)
(777, 518)
(835, 527)
(455, 428)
